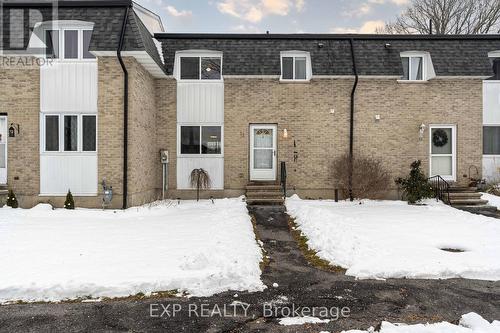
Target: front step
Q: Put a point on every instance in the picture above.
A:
(465, 195)
(463, 189)
(468, 202)
(264, 193)
(3, 194)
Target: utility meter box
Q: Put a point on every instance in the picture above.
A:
(164, 156)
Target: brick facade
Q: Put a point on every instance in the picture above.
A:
(304, 109)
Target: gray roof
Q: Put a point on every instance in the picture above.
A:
(107, 17)
(260, 54)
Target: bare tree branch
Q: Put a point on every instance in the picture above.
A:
(448, 17)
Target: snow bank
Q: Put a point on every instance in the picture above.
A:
(494, 200)
(391, 239)
(200, 248)
(470, 323)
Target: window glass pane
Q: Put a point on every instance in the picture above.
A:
(190, 68)
(89, 133)
(263, 159)
(300, 68)
(190, 139)
(287, 70)
(51, 133)
(87, 34)
(71, 44)
(70, 133)
(211, 140)
(491, 140)
(442, 165)
(210, 68)
(52, 43)
(441, 140)
(406, 68)
(263, 138)
(3, 157)
(416, 68)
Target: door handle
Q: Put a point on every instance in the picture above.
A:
(274, 152)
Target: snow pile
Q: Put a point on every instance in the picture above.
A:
(200, 248)
(470, 323)
(494, 200)
(391, 239)
(288, 321)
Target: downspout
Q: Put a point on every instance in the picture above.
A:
(125, 109)
(351, 128)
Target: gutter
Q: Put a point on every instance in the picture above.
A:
(351, 126)
(125, 108)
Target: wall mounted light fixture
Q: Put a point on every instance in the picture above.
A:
(421, 131)
(285, 133)
(12, 130)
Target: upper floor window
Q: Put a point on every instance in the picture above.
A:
(197, 65)
(413, 68)
(417, 66)
(68, 43)
(491, 140)
(70, 133)
(295, 66)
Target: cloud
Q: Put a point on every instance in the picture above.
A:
(366, 7)
(246, 28)
(368, 27)
(176, 13)
(255, 11)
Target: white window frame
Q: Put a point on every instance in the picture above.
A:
(62, 29)
(61, 150)
(201, 125)
(410, 67)
(453, 154)
(197, 54)
(294, 55)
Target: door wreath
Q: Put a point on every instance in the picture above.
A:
(439, 137)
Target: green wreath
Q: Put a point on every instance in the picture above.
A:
(439, 138)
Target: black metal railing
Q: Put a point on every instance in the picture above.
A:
(441, 188)
(283, 178)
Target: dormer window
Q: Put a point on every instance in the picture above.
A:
(199, 66)
(69, 43)
(295, 66)
(413, 68)
(417, 66)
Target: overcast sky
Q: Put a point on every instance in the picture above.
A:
(292, 16)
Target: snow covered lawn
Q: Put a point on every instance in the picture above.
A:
(391, 239)
(469, 323)
(494, 200)
(200, 248)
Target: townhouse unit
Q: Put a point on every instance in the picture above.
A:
(95, 93)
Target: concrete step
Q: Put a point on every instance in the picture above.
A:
(485, 210)
(468, 202)
(263, 188)
(265, 201)
(465, 189)
(470, 195)
(264, 194)
(4, 192)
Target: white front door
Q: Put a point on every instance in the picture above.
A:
(263, 152)
(443, 143)
(3, 149)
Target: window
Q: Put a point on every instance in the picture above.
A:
(412, 68)
(51, 133)
(87, 35)
(52, 43)
(78, 133)
(70, 44)
(491, 140)
(200, 68)
(295, 65)
(89, 133)
(70, 133)
(206, 140)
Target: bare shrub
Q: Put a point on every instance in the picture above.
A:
(369, 176)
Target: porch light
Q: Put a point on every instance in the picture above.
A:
(285, 134)
(421, 132)
(12, 130)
